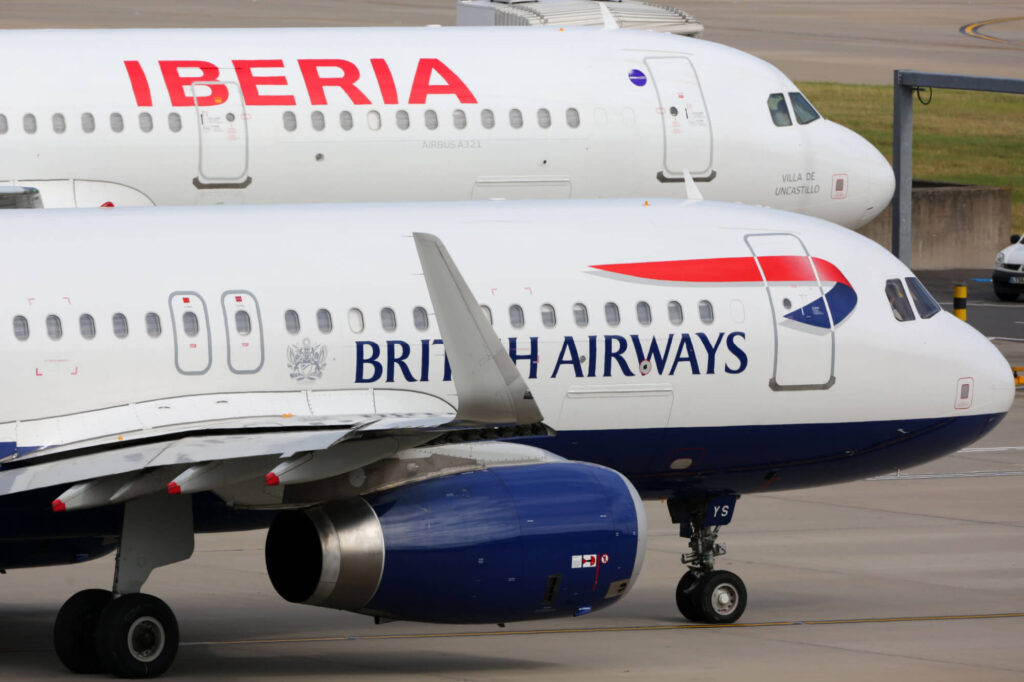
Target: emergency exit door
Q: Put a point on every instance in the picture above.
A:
(223, 137)
(244, 331)
(191, 325)
(802, 323)
(684, 117)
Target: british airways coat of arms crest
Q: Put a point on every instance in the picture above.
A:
(307, 360)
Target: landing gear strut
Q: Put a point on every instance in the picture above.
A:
(704, 594)
(124, 632)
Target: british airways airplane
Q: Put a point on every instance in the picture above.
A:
(456, 408)
(222, 116)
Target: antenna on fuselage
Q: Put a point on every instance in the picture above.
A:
(692, 193)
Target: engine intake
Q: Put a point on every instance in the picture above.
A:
(490, 545)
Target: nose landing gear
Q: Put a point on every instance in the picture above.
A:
(703, 594)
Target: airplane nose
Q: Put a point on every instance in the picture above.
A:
(882, 181)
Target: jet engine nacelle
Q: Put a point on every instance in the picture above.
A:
(486, 546)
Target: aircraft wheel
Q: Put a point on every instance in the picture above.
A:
(137, 636)
(685, 594)
(721, 597)
(74, 631)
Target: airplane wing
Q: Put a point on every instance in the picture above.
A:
(190, 457)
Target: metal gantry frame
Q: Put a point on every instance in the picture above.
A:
(905, 84)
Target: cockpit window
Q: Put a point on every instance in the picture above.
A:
(805, 113)
(925, 303)
(779, 110)
(898, 300)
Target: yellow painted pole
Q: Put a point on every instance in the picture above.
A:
(960, 301)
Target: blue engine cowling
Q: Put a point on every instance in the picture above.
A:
(487, 546)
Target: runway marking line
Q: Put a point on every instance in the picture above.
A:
(972, 29)
(623, 628)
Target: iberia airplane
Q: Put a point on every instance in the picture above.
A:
(444, 395)
(213, 116)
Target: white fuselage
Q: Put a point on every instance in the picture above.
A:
(211, 116)
(332, 324)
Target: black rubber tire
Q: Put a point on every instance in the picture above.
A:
(721, 597)
(137, 636)
(1007, 295)
(74, 631)
(685, 602)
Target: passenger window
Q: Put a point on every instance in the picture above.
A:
(706, 312)
(29, 123)
(430, 119)
(803, 110)
(419, 318)
(346, 120)
(3, 124)
(20, 327)
(189, 323)
(120, 323)
(459, 119)
(544, 118)
(675, 312)
(611, 314)
(59, 124)
(487, 314)
(643, 313)
(355, 320)
(291, 322)
(487, 118)
(387, 319)
(87, 326)
(243, 323)
(88, 123)
(316, 119)
(116, 122)
(579, 314)
(153, 326)
(146, 122)
(515, 118)
(779, 110)
(898, 300)
(547, 315)
(402, 119)
(925, 303)
(516, 317)
(53, 327)
(324, 321)
(290, 123)
(572, 117)
(174, 122)
(373, 119)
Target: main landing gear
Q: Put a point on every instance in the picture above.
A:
(124, 632)
(704, 594)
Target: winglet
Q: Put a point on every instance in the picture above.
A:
(606, 16)
(692, 193)
(490, 388)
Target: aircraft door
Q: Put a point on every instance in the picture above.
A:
(223, 139)
(192, 352)
(244, 331)
(684, 117)
(804, 334)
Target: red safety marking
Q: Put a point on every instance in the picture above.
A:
(107, 204)
(38, 373)
(597, 572)
(185, 299)
(173, 488)
(75, 373)
(272, 479)
(58, 506)
(238, 299)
